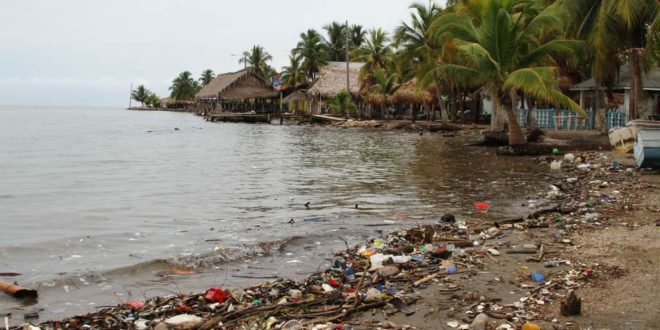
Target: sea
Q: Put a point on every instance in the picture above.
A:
(99, 206)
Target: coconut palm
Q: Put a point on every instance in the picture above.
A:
(617, 29)
(258, 59)
(140, 94)
(336, 41)
(419, 50)
(153, 100)
(508, 52)
(342, 103)
(184, 87)
(376, 53)
(206, 77)
(357, 34)
(294, 75)
(412, 37)
(384, 85)
(313, 52)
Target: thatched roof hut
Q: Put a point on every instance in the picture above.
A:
(332, 79)
(240, 85)
(172, 103)
(295, 96)
(409, 93)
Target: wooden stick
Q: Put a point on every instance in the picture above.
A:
(426, 279)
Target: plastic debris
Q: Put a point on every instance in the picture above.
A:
(531, 326)
(538, 277)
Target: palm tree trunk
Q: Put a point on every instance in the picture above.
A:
(515, 132)
(443, 108)
(496, 120)
(637, 101)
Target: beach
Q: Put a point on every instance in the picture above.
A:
(482, 278)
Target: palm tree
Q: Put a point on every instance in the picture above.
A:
(375, 53)
(294, 75)
(413, 37)
(508, 52)
(258, 59)
(140, 94)
(384, 85)
(342, 103)
(617, 29)
(336, 41)
(420, 51)
(184, 87)
(313, 52)
(357, 35)
(206, 77)
(153, 100)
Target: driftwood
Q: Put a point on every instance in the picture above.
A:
(529, 149)
(521, 251)
(508, 222)
(539, 256)
(17, 291)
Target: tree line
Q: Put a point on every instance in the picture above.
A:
(511, 51)
(184, 87)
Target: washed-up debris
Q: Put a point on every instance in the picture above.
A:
(17, 291)
(388, 273)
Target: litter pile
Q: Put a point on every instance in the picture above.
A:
(391, 274)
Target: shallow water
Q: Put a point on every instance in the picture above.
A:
(98, 205)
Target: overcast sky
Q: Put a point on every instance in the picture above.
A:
(86, 52)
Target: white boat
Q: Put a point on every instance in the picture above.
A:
(647, 148)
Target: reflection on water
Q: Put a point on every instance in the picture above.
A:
(97, 203)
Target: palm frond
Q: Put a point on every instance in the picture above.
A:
(540, 83)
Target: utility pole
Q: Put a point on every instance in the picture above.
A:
(348, 40)
(130, 96)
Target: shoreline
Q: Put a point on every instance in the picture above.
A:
(536, 302)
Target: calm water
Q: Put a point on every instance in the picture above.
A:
(98, 205)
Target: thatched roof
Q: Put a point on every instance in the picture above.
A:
(332, 79)
(240, 85)
(295, 96)
(650, 81)
(410, 93)
(171, 100)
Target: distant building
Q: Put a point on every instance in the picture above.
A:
(240, 91)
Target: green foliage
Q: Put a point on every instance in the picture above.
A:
(336, 41)
(258, 59)
(140, 94)
(612, 28)
(376, 53)
(313, 51)
(153, 100)
(184, 87)
(294, 75)
(342, 104)
(206, 77)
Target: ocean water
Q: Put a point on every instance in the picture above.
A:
(102, 205)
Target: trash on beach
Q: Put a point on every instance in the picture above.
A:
(216, 295)
(17, 291)
(531, 326)
(482, 206)
(135, 304)
(538, 277)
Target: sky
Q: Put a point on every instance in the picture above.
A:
(87, 52)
